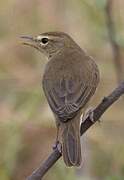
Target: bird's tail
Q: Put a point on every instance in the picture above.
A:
(71, 147)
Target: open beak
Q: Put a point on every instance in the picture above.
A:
(30, 41)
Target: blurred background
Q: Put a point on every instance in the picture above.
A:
(27, 127)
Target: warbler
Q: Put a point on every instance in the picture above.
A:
(69, 81)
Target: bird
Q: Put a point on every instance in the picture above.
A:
(69, 81)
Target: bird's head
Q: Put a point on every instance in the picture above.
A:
(49, 43)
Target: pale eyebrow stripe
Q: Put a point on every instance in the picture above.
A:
(39, 37)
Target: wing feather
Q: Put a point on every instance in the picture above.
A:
(67, 93)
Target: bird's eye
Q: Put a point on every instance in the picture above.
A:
(44, 40)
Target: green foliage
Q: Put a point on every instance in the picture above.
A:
(28, 100)
(9, 148)
(102, 164)
(114, 178)
(95, 19)
(61, 172)
(101, 4)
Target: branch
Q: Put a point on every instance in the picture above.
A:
(98, 112)
(113, 42)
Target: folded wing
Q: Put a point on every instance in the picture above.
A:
(66, 96)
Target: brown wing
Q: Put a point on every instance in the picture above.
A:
(66, 96)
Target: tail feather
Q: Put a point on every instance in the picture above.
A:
(71, 148)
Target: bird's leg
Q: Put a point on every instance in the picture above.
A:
(56, 141)
(88, 113)
(57, 144)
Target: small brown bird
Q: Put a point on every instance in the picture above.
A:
(70, 80)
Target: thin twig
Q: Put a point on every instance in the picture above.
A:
(98, 112)
(112, 38)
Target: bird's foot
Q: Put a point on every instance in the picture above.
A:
(57, 146)
(88, 113)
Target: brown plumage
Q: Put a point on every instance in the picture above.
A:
(70, 79)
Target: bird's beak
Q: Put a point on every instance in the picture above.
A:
(30, 41)
(27, 38)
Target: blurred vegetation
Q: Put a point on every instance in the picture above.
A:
(27, 128)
